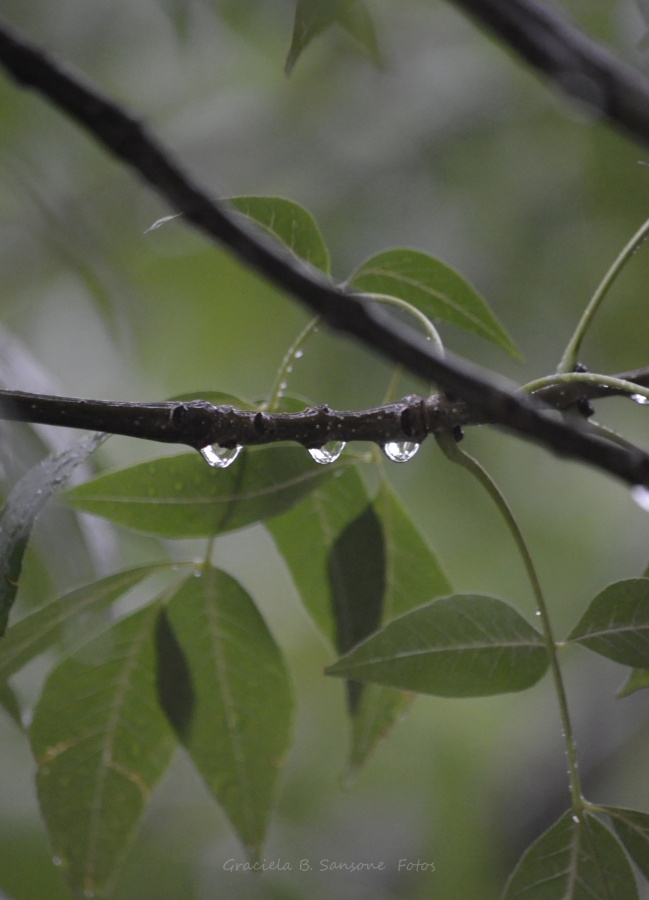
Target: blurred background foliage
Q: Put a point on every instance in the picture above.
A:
(452, 147)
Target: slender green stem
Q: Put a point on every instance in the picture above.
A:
(293, 353)
(391, 391)
(571, 353)
(610, 434)
(431, 332)
(209, 550)
(450, 448)
(608, 381)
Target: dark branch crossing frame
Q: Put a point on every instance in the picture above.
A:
(549, 42)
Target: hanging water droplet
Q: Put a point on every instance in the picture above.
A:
(220, 457)
(641, 496)
(639, 398)
(328, 453)
(400, 452)
(160, 222)
(538, 612)
(298, 354)
(575, 819)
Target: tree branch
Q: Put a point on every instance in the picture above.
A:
(581, 68)
(130, 141)
(199, 423)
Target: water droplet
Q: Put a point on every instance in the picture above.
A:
(641, 496)
(575, 819)
(220, 457)
(160, 222)
(639, 398)
(538, 612)
(328, 453)
(298, 354)
(57, 860)
(400, 452)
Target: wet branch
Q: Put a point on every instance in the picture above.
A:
(577, 65)
(132, 143)
(199, 423)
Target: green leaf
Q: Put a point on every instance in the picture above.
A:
(9, 702)
(414, 574)
(305, 535)
(173, 678)
(412, 577)
(33, 634)
(290, 223)
(435, 289)
(101, 743)
(460, 646)
(312, 17)
(632, 827)
(23, 505)
(240, 728)
(573, 860)
(182, 497)
(616, 624)
(357, 21)
(377, 711)
(356, 575)
(638, 680)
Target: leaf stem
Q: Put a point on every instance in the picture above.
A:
(449, 447)
(612, 382)
(431, 332)
(293, 353)
(571, 353)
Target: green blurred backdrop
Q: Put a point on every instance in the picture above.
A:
(455, 149)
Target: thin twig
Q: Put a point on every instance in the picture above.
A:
(129, 140)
